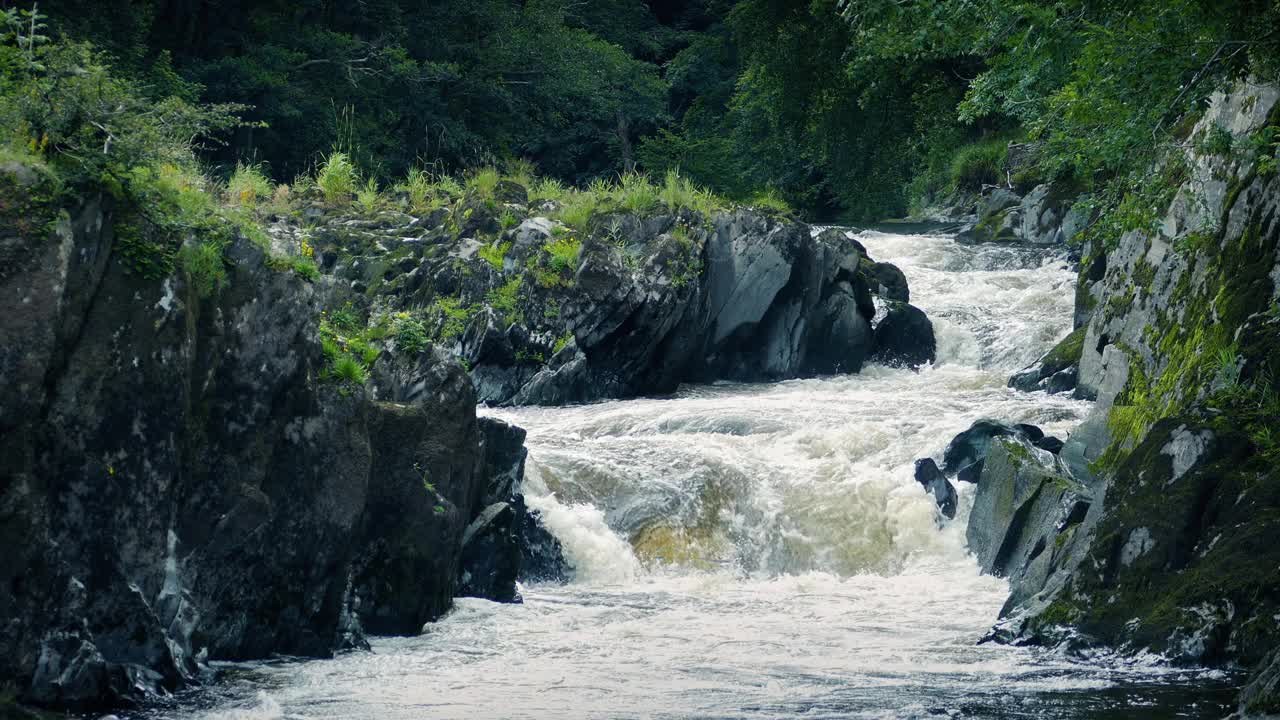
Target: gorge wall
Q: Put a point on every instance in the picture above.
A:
(281, 460)
(1152, 530)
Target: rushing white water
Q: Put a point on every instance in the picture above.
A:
(761, 551)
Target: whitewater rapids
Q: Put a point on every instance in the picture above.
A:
(761, 551)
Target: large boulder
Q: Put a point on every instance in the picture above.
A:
(183, 483)
(1024, 510)
(967, 451)
(628, 304)
(905, 337)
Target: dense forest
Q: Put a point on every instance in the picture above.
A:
(856, 110)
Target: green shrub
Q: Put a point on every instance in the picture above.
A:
(521, 171)
(564, 253)
(368, 199)
(348, 369)
(411, 335)
(505, 301)
(337, 179)
(978, 164)
(547, 189)
(417, 186)
(484, 182)
(577, 209)
(494, 253)
(452, 316)
(562, 342)
(770, 201)
(203, 265)
(636, 194)
(248, 186)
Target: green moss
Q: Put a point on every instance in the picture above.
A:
(494, 253)
(562, 342)
(451, 316)
(505, 301)
(1059, 612)
(1119, 305)
(1066, 353)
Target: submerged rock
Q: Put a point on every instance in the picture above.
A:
(936, 484)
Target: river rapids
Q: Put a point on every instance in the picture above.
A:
(760, 551)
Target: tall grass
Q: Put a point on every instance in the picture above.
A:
(337, 179)
(978, 164)
(248, 186)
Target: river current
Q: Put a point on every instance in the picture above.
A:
(760, 551)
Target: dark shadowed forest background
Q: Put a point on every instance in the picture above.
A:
(849, 110)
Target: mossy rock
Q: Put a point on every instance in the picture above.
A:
(1064, 355)
(1185, 560)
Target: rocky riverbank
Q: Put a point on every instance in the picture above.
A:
(620, 305)
(1151, 530)
(274, 457)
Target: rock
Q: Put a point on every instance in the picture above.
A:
(966, 452)
(1260, 698)
(183, 483)
(905, 337)
(1057, 370)
(935, 483)
(506, 542)
(541, 556)
(889, 282)
(646, 303)
(1024, 504)
(491, 555)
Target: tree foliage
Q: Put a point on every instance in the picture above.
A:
(857, 108)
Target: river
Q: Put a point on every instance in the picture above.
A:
(761, 551)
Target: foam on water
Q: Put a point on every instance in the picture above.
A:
(762, 551)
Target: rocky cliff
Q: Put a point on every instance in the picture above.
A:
(618, 305)
(184, 479)
(1157, 530)
(260, 455)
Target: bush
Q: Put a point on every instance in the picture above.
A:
(348, 369)
(411, 335)
(248, 185)
(564, 253)
(204, 267)
(636, 194)
(337, 179)
(368, 198)
(505, 301)
(577, 209)
(494, 253)
(978, 164)
(484, 183)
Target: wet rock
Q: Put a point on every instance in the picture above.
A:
(965, 454)
(1260, 698)
(186, 483)
(1024, 504)
(889, 282)
(905, 337)
(541, 555)
(491, 555)
(1055, 372)
(935, 483)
